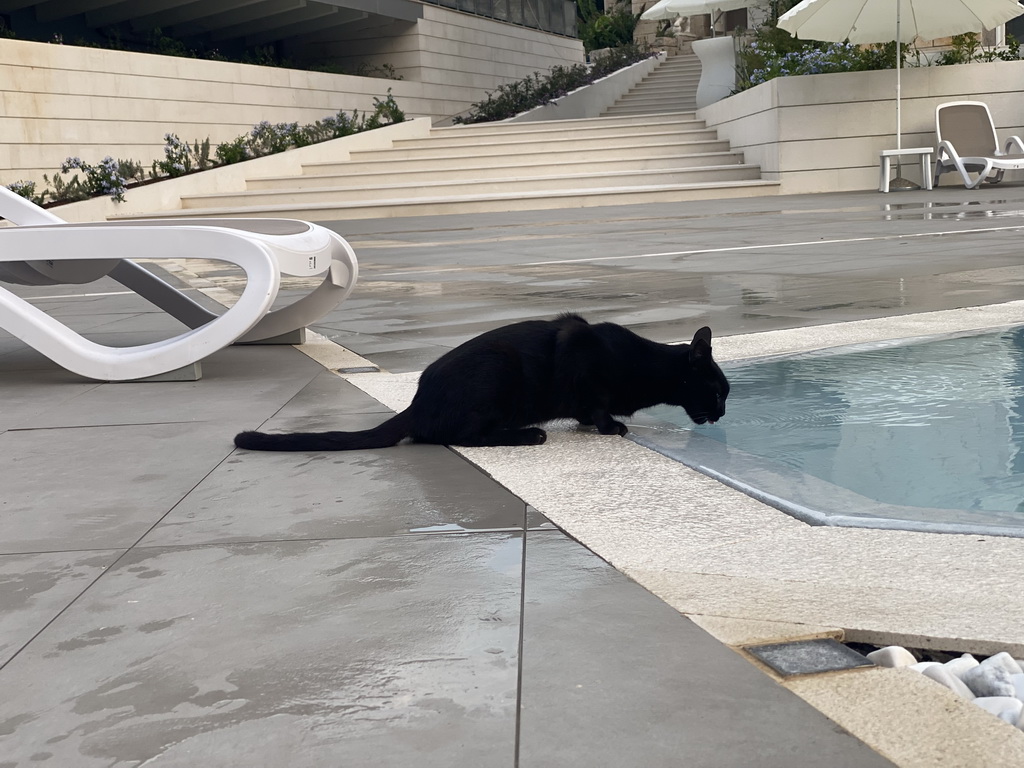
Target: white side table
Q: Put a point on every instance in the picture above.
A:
(924, 158)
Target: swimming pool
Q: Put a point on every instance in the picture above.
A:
(925, 435)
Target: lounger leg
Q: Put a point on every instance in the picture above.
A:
(190, 372)
(298, 336)
(338, 283)
(162, 295)
(883, 179)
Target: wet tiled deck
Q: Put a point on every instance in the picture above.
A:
(165, 600)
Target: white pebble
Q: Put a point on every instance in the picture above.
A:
(1006, 708)
(892, 656)
(961, 665)
(921, 666)
(1004, 660)
(1018, 684)
(989, 680)
(940, 674)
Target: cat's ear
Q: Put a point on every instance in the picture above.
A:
(703, 334)
(700, 347)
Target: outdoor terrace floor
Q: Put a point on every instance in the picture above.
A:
(168, 601)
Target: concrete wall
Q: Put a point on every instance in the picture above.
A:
(818, 133)
(58, 101)
(449, 49)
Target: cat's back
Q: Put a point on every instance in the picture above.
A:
(527, 337)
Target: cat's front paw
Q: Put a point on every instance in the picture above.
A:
(534, 436)
(613, 428)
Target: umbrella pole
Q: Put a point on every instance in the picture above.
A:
(899, 182)
(899, 67)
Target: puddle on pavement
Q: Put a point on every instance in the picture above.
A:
(971, 209)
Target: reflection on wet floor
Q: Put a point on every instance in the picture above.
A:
(972, 209)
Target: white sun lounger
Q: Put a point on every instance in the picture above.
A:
(968, 142)
(42, 249)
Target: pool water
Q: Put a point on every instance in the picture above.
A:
(925, 435)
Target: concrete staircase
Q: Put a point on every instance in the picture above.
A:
(506, 167)
(671, 87)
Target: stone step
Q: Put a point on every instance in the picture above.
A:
(512, 149)
(351, 193)
(481, 157)
(655, 102)
(665, 85)
(670, 86)
(648, 148)
(542, 126)
(623, 111)
(635, 108)
(578, 136)
(682, 60)
(499, 202)
(367, 173)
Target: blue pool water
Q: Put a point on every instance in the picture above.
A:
(925, 435)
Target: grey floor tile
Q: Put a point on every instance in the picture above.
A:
(241, 386)
(406, 489)
(27, 397)
(35, 588)
(326, 398)
(101, 487)
(612, 676)
(16, 357)
(392, 652)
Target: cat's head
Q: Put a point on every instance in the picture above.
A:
(704, 386)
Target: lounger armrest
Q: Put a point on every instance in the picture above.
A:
(945, 148)
(1014, 145)
(947, 156)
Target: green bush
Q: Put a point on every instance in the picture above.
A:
(967, 48)
(605, 29)
(775, 53)
(534, 91)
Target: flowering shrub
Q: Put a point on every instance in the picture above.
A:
(268, 139)
(110, 177)
(27, 189)
(180, 157)
(775, 53)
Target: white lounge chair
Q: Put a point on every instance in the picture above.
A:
(43, 249)
(968, 142)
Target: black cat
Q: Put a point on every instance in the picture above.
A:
(494, 389)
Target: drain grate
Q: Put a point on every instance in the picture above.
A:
(808, 657)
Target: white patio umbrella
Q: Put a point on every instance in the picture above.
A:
(881, 21)
(669, 9)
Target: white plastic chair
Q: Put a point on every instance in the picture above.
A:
(968, 142)
(43, 249)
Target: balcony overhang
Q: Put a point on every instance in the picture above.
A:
(246, 22)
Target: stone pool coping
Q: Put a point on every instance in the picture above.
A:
(749, 574)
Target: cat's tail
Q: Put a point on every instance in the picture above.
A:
(387, 434)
